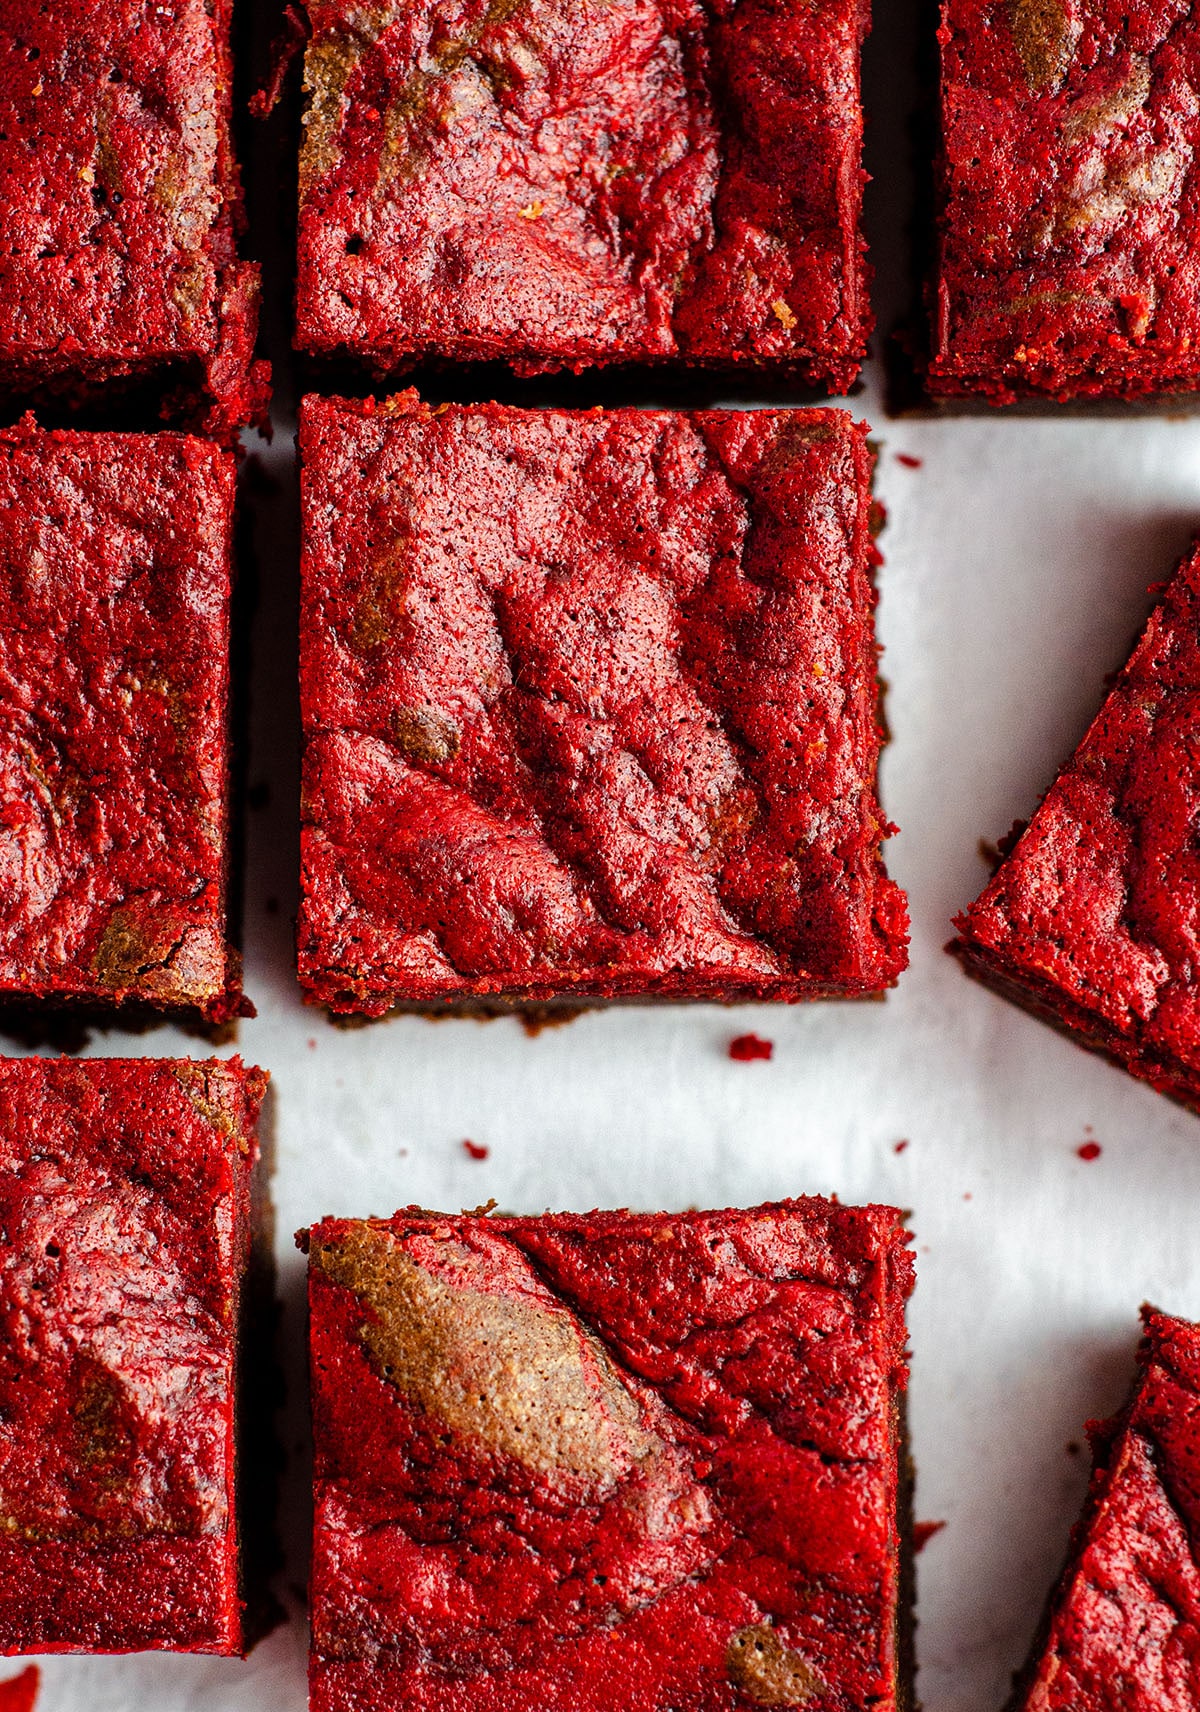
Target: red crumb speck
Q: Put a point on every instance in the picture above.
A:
(967, 1195)
(746, 1047)
(910, 463)
(311, 1044)
(473, 1150)
(1089, 1150)
(923, 1532)
(19, 1693)
(899, 1147)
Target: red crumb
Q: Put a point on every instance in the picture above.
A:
(1089, 1150)
(967, 1196)
(19, 1693)
(923, 1532)
(473, 1150)
(910, 463)
(311, 1044)
(746, 1047)
(899, 1147)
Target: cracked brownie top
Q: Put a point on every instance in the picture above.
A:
(1070, 229)
(124, 1224)
(589, 705)
(1124, 1625)
(556, 185)
(114, 679)
(637, 1461)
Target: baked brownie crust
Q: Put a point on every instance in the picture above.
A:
(589, 706)
(1069, 250)
(1123, 1628)
(115, 571)
(632, 183)
(608, 1461)
(119, 201)
(125, 1189)
(1093, 917)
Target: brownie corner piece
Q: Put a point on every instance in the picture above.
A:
(631, 184)
(121, 205)
(1089, 921)
(126, 1200)
(1115, 1632)
(1067, 228)
(590, 708)
(115, 581)
(609, 1459)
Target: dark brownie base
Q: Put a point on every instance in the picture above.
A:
(1165, 1074)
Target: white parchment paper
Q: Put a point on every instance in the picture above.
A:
(1018, 558)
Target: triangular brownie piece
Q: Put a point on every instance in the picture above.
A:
(1093, 920)
(1123, 1627)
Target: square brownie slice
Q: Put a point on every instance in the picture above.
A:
(1093, 919)
(120, 202)
(125, 1197)
(1123, 1626)
(1069, 248)
(561, 187)
(589, 706)
(115, 574)
(608, 1461)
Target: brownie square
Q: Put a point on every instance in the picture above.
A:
(560, 186)
(607, 1461)
(1123, 1627)
(1069, 249)
(125, 1193)
(119, 201)
(589, 706)
(115, 557)
(1093, 919)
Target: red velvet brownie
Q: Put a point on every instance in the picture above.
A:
(639, 182)
(119, 202)
(1123, 1628)
(609, 1462)
(589, 706)
(125, 1194)
(115, 557)
(1093, 919)
(1069, 249)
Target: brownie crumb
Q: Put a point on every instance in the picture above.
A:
(19, 1693)
(744, 1048)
